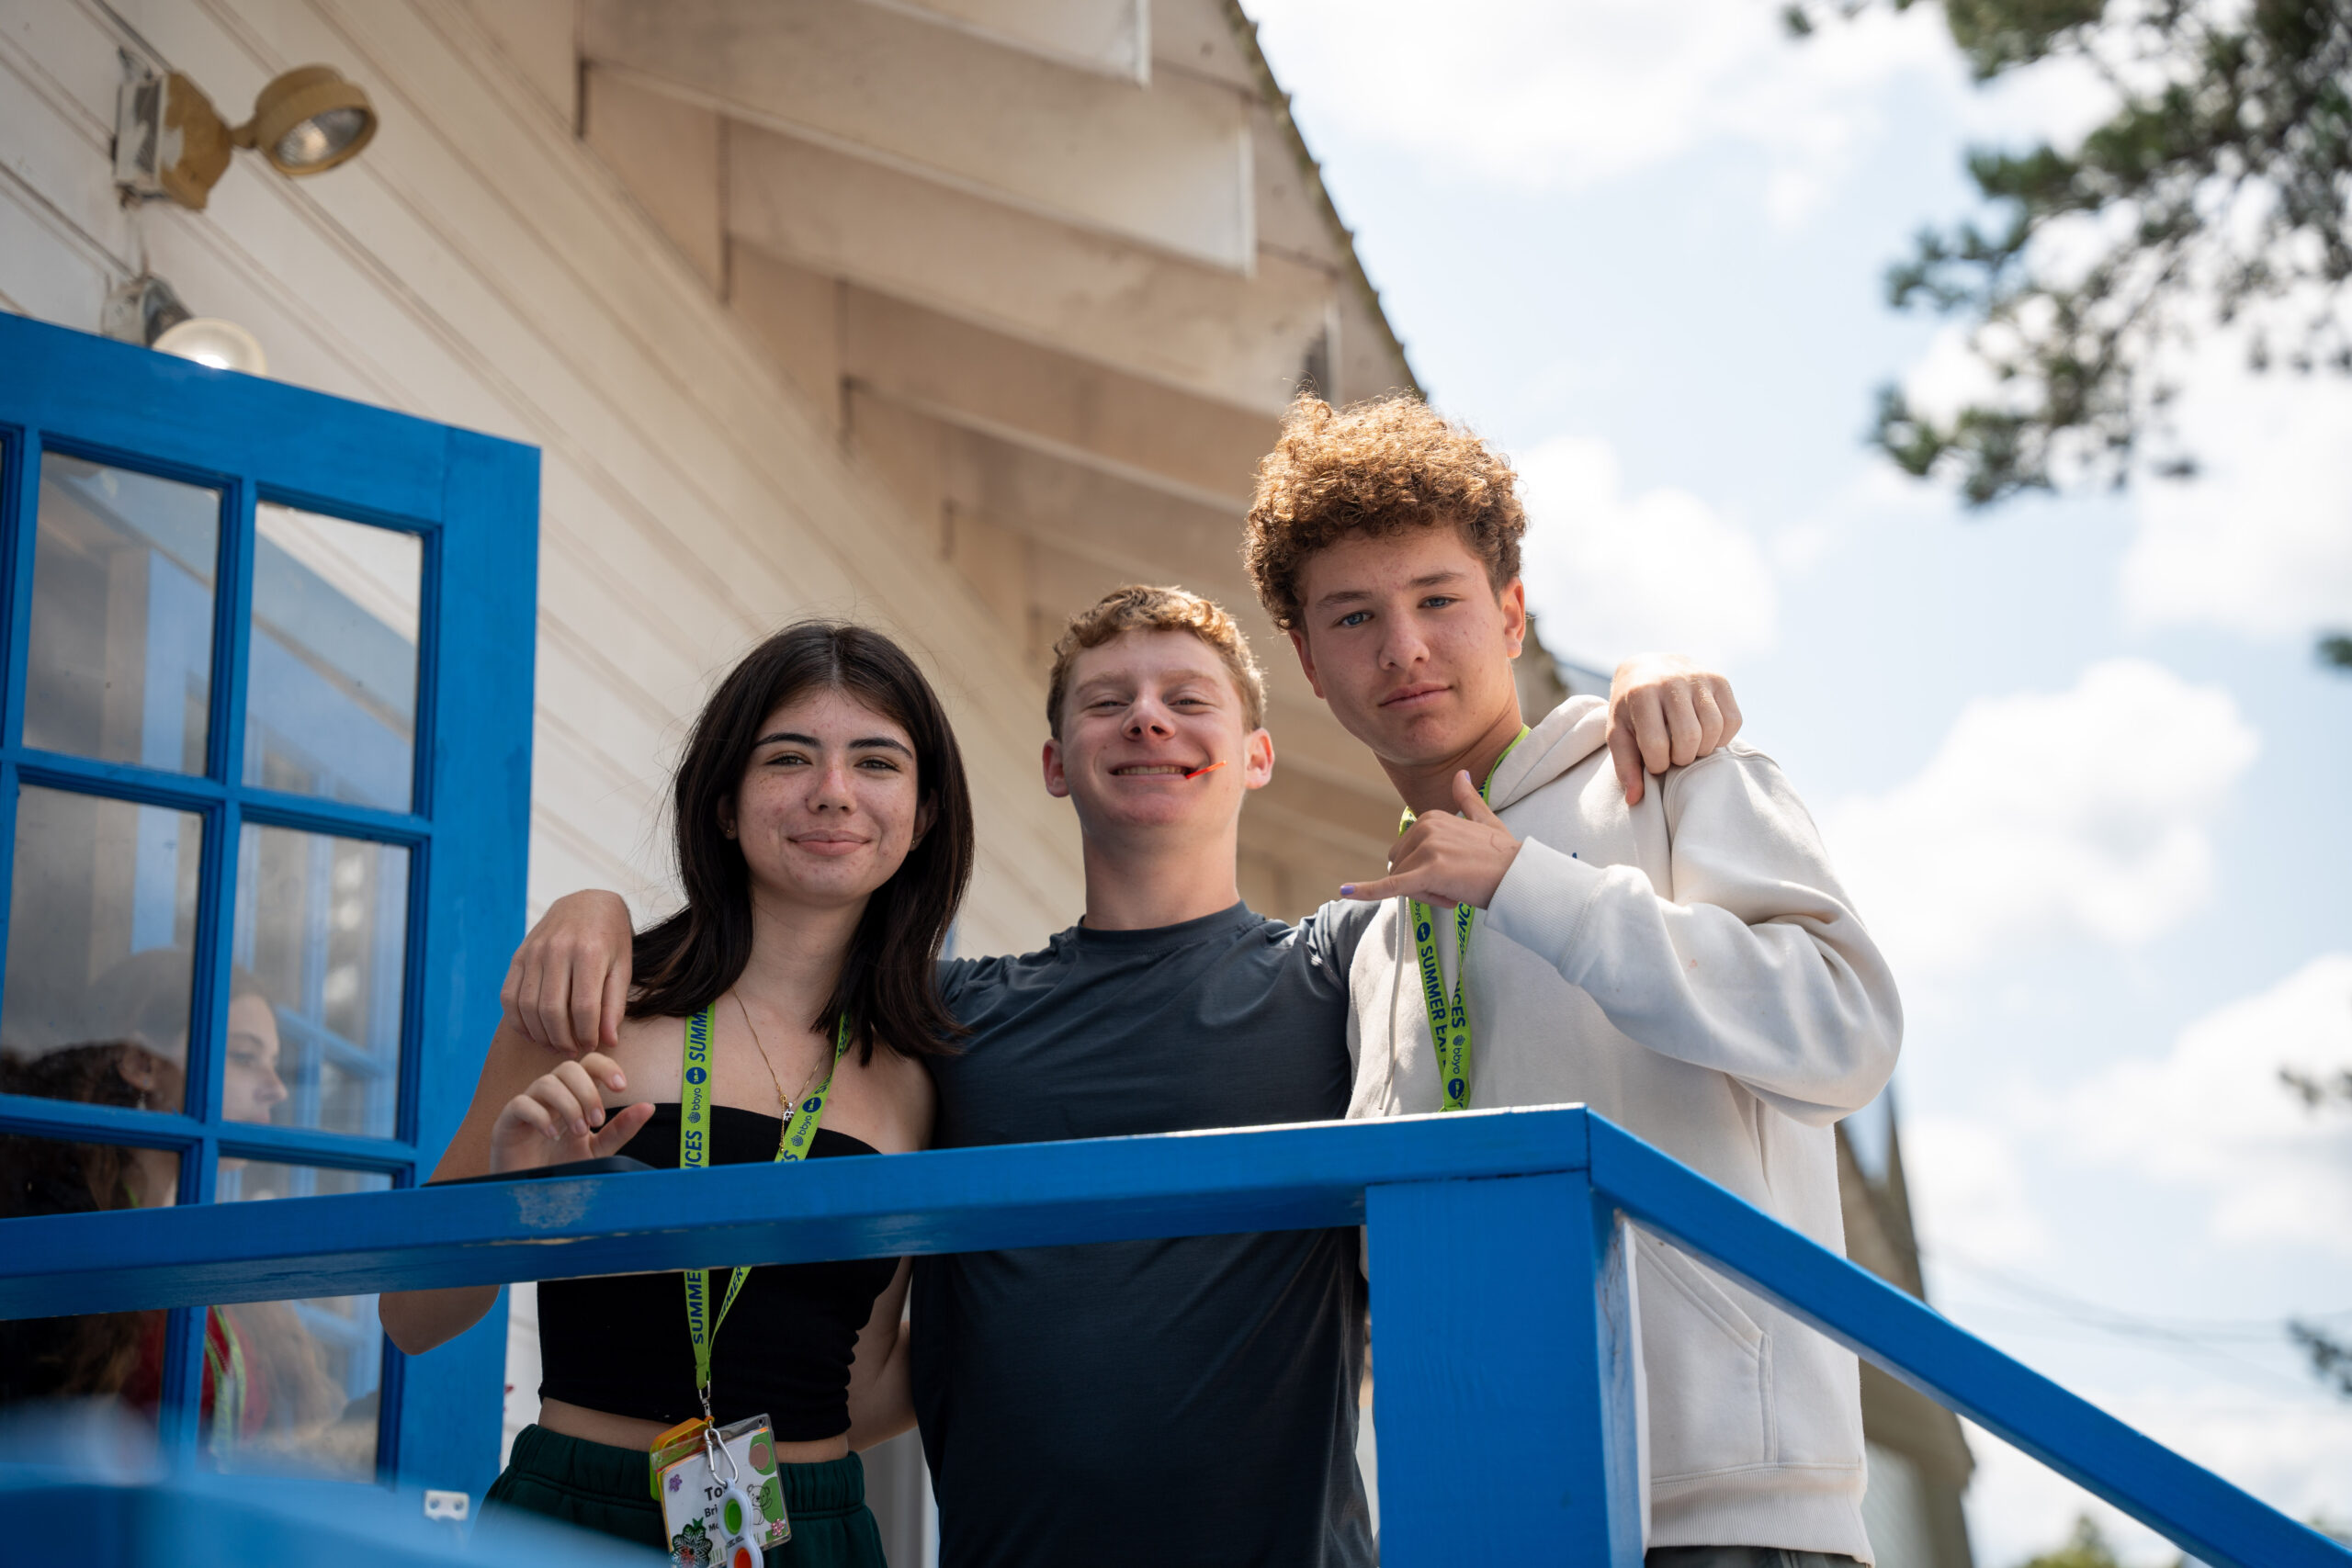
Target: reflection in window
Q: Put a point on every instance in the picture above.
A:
(302, 1378)
(102, 914)
(331, 700)
(287, 1386)
(321, 923)
(116, 1356)
(121, 664)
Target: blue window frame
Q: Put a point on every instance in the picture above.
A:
(265, 752)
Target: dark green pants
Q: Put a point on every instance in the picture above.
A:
(596, 1486)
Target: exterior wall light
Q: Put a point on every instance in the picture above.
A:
(170, 141)
(148, 311)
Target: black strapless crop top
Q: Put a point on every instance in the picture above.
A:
(618, 1343)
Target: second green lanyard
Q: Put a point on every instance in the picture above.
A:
(693, 1152)
(1450, 1016)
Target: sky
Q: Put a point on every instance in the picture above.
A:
(2074, 758)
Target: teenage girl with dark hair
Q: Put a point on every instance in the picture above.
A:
(824, 839)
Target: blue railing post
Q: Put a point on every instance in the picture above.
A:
(1503, 1374)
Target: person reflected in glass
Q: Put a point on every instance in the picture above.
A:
(268, 1395)
(265, 1384)
(824, 840)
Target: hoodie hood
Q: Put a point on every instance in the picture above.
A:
(1567, 735)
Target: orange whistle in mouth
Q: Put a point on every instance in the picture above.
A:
(1213, 767)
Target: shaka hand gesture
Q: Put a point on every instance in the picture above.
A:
(1445, 858)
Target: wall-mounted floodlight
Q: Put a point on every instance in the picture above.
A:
(148, 311)
(170, 141)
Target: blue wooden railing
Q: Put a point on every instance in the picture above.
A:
(1505, 1414)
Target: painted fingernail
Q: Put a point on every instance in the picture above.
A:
(1347, 889)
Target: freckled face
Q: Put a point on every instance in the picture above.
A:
(830, 802)
(1407, 640)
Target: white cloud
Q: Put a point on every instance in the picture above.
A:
(2261, 543)
(2046, 814)
(1950, 376)
(1543, 95)
(2213, 1115)
(2292, 1453)
(1610, 574)
(1969, 1185)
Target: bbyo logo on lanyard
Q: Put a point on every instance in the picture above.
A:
(1450, 1016)
(722, 1503)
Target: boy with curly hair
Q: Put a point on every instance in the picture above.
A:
(1680, 958)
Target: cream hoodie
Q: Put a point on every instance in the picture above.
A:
(1690, 969)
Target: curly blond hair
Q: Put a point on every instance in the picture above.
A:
(1375, 467)
(1138, 608)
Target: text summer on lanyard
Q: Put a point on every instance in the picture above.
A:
(694, 1153)
(1449, 1017)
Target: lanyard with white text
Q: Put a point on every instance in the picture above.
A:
(1450, 1017)
(693, 1152)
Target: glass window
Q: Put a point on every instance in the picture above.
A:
(287, 1386)
(331, 703)
(321, 937)
(115, 1358)
(301, 1378)
(102, 920)
(121, 648)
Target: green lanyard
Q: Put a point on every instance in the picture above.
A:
(693, 1152)
(1450, 1019)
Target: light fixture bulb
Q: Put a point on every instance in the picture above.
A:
(216, 342)
(308, 120)
(318, 139)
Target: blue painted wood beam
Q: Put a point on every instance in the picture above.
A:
(889, 1205)
(2188, 1504)
(1502, 1309)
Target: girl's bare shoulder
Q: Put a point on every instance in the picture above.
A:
(647, 1052)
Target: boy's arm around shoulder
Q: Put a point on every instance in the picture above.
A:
(1756, 967)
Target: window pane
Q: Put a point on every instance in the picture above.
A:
(301, 1378)
(102, 916)
(121, 654)
(322, 928)
(330, 701)
(110, 1357)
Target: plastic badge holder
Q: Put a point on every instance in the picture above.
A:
(731, 1516)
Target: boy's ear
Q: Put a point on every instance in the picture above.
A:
(1307, 660)
(1513, 600)
(1057, 776)
(1257, 759)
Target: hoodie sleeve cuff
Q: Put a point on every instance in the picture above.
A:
(1542, 901)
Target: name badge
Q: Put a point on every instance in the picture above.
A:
(720, 1520)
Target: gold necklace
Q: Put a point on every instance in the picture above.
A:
(760, 1046)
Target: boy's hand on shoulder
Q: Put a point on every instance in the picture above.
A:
(1447, 859)
(1666, 710)
(567, 988)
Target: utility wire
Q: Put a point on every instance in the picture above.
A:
(2205, 1339)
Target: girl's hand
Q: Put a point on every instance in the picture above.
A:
(560, 1118)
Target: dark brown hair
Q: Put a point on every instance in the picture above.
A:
(1376, 468)
(95, 1353)
(889, 988)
